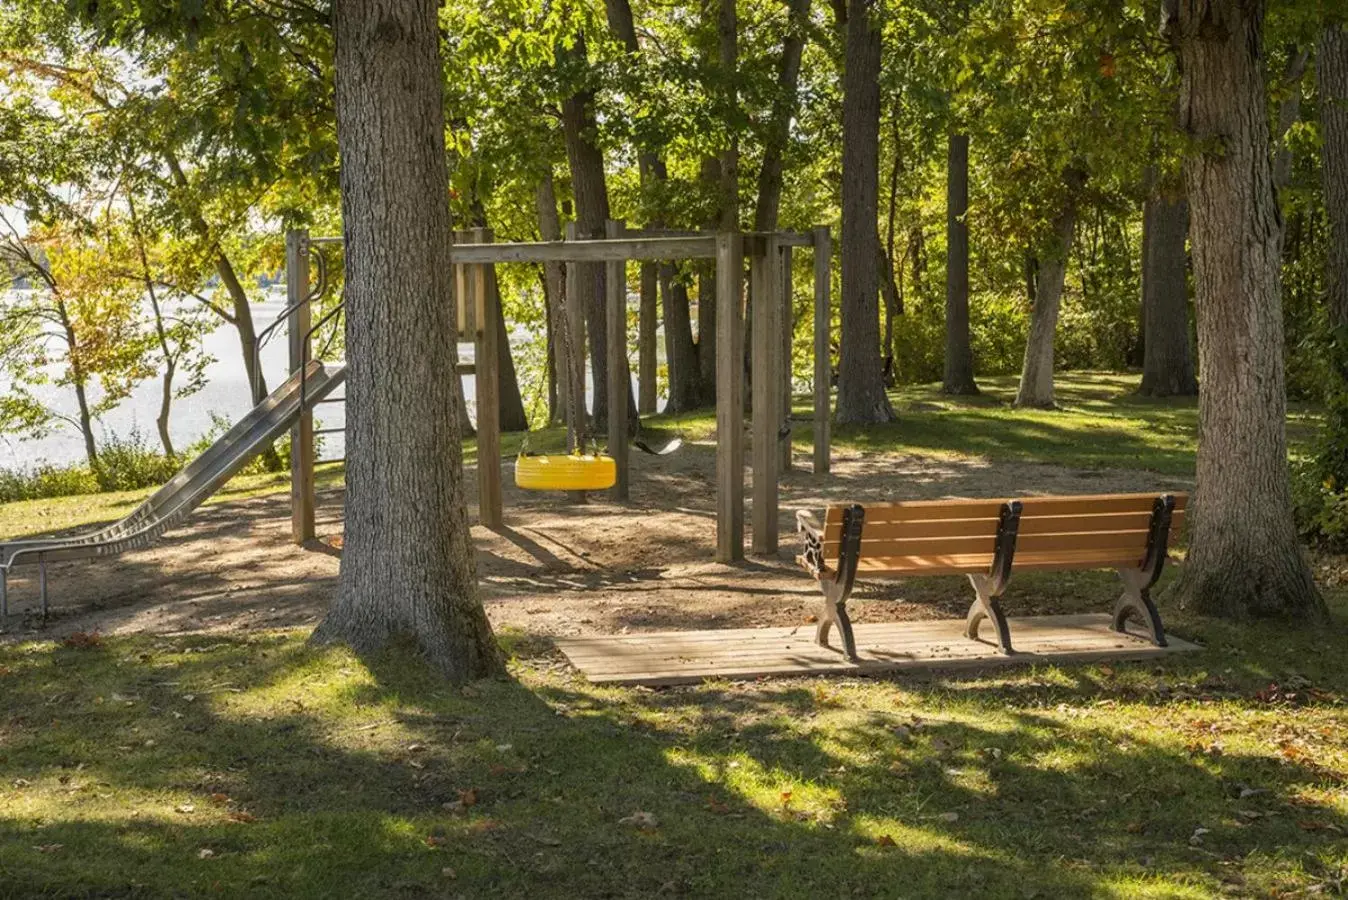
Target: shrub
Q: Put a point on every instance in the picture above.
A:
(130, 462)
(46, 481)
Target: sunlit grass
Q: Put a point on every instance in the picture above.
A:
(260, 765)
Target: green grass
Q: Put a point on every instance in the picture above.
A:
(261, 766)
(1100, 423)
(258, 765)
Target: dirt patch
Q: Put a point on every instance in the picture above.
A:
(556, 568)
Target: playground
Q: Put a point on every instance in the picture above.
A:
(236, 737)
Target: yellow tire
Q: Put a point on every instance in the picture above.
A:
(568, 472)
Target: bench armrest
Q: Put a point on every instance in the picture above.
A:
(807, 523)
(811, 557)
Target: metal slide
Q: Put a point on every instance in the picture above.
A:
(184, 492)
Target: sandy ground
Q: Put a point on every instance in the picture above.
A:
(556, 568)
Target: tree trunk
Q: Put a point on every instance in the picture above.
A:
(408, 573)
(1167, 359)
(1036, 375)
(1331, 80)
(710, 174)
(1289, 110)
(1244, 557)
(783, 108)
(592, 213)
(727, 33)
(170, 360)
(959, 356)
(554, 289)
(861, 384)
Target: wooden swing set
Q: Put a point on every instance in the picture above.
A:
(473, 257)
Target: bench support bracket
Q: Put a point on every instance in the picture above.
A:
(1135, 602)
(987, 588)
(835, 584)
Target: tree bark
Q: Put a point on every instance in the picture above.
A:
(783, 108)
(1167, 359)
(1331, 80)
(408, 573)
(861, 385)
(590, 190)
(1036, 374)
(959, 356)
(554, 288)
(1289, 110)
(727, 33)
(1244, 557)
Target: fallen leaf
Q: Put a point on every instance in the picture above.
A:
(242, 816)
(949, 817)
(436, 840)
(205, 853)
(83, 640)
(642, 821)
(449, 873)
(49, 848)
(184, 808)
(468, 797)
(717, 806)
(786, 797)
(885, 840)
(219, 798)
(1197, 837)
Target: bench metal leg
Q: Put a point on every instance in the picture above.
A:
(4, 594)
(833, 611)
(985, 606)
(1135, 603)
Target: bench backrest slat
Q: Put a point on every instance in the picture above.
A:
(957, 536)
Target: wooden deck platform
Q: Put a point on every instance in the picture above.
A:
(688, 657)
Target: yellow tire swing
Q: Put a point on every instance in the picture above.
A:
(574, 471)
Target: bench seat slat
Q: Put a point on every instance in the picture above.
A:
(956, 564)
(927, 510)
(955, 528)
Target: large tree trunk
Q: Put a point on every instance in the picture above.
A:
(783, 108)
(1244, 557)
(407, 573)
(727, 33)
(681, 354)
(959, 356)
(590, 190)
(1167, 359)
(1331, 81)
(861, 384)
(1036, 374)
(510, 404)
(554, 289)
(1289, 110)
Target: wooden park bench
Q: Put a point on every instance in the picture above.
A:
(990, 540)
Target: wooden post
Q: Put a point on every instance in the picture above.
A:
(575, 320)
(488, 376)
(646, 387)
(764, 294)
(729, 399)
(785, 326)
(823, 372)
(575, 332)
(619, 379)
(302, 433)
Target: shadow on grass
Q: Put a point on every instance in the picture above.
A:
(191, 766)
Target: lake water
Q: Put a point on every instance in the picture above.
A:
(225, 394)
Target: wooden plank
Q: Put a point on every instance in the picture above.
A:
(646, 356)
(1134, 542)
(895, 634)
(1032, 507)
(785, 325)
(736, 657)
(766, 385)
(488, 362)
(930, 528)
(823, 369)
(594, 251)
(619, 378)
(688, 657)
(729, 400)
(302, 498)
